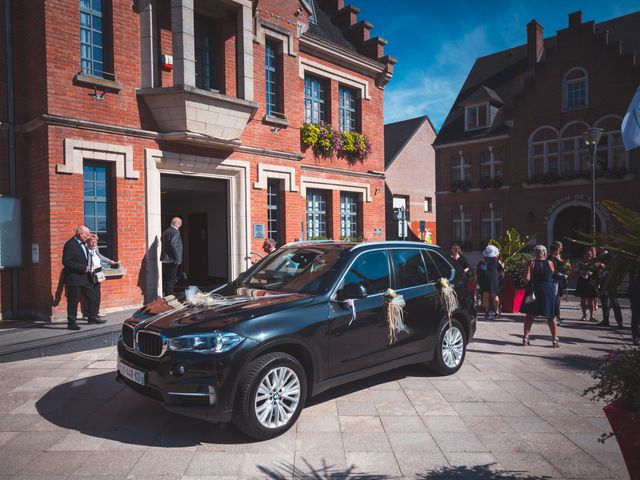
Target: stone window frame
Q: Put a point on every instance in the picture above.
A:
(459, 162)
(307, 66)
(77, 151)
(546, 154)
(341, 185)
(492, 163)
(465, 219)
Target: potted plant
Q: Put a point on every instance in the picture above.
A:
(511, 246)
(618, 378)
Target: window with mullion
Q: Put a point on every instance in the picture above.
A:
(316, 214)
(272, 79)
(348, 216)
(347, 109)
(273, 210)
(314, 100)
(205, 52)
(576, 93)
(97, 204)
(92, 59)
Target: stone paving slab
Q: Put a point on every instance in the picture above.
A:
(511, 412)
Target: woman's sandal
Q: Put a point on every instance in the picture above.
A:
(556, 342)
(584, 318)
(525, 341)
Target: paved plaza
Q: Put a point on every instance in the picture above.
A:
(511, 412)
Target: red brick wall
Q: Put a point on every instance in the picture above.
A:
(612, 83)
(54, 201)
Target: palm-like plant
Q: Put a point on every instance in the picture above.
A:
(625, 245)
(511, 246)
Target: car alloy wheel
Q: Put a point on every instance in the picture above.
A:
(277, 398)
(452, 347)
(270, 397)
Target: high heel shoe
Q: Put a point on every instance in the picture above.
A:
(556, 342)
(525, 341)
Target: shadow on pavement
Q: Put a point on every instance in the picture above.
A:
(326, 471)
(100, 407)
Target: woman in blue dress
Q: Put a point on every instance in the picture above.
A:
(539, 273)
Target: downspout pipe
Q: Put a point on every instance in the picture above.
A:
(8, 39)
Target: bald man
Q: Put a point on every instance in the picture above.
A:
(75, 258)
(171, 255)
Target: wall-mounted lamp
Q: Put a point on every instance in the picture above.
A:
(97, 95)
(298, 11)
(275, 129)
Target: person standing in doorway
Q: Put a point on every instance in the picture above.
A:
(171, 255)
(75, 258)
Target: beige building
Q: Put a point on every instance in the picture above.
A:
(410, 182)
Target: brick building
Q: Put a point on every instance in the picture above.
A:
(130, 112)
(510, 152)
(410, 176)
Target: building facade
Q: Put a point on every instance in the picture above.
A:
(510, 152)
(129, 113)
(410, 169)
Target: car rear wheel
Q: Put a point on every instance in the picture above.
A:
(271, 395)
(451, 348)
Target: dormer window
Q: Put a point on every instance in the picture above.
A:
(575, 89)
(476, 116)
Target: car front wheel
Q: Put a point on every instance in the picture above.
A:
(270, 396)
(451, 348)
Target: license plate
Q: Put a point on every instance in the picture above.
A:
(131, 373)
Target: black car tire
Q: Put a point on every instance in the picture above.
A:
(439, 363)
(244, 416)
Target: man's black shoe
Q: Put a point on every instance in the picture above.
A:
(96, 321)
(603, 323)
(73, 326)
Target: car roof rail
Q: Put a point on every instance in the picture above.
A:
(394, 243)
(302, 242)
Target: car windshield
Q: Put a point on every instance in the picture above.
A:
(303, 269)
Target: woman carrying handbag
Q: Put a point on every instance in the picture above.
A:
(540, 300)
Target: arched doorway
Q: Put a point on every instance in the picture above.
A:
(570, 223)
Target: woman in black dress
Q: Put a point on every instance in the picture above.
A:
(587, 285)
(560, 278)
(539, 273)
(491, 284)
(459, 258)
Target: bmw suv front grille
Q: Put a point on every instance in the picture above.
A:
(150, 343)
(127, 335)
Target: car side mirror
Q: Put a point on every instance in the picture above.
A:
(352, 291)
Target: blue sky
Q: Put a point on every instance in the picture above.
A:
(436, 42)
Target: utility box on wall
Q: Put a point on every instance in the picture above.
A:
(10, 233)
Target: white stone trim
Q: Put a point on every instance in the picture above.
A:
(77, 151)
(551, 219)
(237, 173)
(306, 65)
(329, 184)
(266, 171)
(263, 29)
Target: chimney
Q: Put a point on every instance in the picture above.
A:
(575, 20)
(535, 42)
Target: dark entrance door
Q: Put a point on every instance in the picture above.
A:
(198, 268)
(571, 223)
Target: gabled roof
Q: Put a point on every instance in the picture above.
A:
(398, 134)
(324, 28)
(504, 73)
(484, 94)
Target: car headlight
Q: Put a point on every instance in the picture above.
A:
(216, 342)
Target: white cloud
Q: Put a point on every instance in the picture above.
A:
(433, 90)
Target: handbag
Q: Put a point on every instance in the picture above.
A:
(99, 277)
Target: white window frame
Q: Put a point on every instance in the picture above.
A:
(459, 163)
(428, 204)
(493, 219)
(565, 88)
(475, 107)
(464, 219)
(545, 151)
(492, 163)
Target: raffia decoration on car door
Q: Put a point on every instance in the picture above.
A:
(447, 297)
(394, 304)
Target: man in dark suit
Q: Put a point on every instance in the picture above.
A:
(171, 255)
(75, 258)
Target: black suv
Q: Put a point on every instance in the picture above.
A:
(307, 318)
